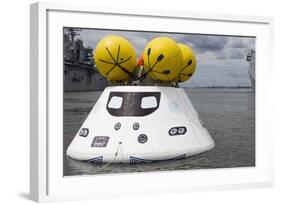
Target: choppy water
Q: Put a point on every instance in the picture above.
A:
(229, 115)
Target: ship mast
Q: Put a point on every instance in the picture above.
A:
(72, 32)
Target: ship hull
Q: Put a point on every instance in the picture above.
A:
(82, 78)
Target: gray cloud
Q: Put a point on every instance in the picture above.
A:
(236, 54)
(204, 43)
(238, 42)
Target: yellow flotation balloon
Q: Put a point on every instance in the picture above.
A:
(115, 58)
(189, 64)
(162, 59)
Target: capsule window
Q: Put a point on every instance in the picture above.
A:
(148, 102)
(115, 102)
(132, 103)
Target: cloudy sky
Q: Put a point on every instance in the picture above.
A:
(220, 59)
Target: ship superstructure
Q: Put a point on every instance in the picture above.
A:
(80, 73)
(251, 58)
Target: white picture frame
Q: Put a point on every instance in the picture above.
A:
(46, 179)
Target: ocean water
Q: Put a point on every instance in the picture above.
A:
(229, 116)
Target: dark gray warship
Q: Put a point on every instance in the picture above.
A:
(80, 72)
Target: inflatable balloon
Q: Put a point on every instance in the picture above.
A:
(115, 58)
(162, 59)
(189, 65)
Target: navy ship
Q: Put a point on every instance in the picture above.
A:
(251, 58)
(80, 72)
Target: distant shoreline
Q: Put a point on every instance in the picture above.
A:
(214, 87)
(246, 87)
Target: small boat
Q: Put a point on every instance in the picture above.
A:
(140, 124)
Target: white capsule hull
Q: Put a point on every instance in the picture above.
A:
(136, 124)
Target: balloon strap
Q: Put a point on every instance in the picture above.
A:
(117, 63)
